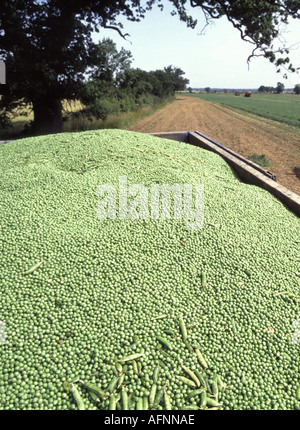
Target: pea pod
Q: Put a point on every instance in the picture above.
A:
(298, 393)
(113, 385)
(152, 394)
(221, 384)
(192, 375)
(186, 381)
(112, 403)
(182, 328)
(201, 379)
(201, 358)
(124, 398)
(156, 373)
(195, 393)
(77, 398)
(159, 396)
(214, 387)
(169, 331)
(33, 268)
(212, 402)
(135, 368)
(94, 388)
(203, 400)
(164, 342)
(190, 408)
(139, 404)
(168, 406)
(130, 357)
(121, 380)
(203, 280)
(119, 368)
(145, 403)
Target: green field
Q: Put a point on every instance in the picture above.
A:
(279, 107)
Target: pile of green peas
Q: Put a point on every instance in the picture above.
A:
(78, 293)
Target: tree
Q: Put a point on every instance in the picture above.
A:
(279, 88)
(297, 89)
(48, 49)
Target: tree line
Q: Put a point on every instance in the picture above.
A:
(114, 86)
(49, 51)
(278, 89)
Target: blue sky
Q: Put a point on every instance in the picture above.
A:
(216, 59)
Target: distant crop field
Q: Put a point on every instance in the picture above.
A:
(279, 107)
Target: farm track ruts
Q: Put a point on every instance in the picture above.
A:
(244, 133)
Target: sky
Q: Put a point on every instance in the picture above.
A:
(216, 59)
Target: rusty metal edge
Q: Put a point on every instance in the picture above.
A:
(246, 172)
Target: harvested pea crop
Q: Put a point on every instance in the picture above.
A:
(79, 295)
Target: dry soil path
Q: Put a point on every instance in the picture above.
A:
(244, 133)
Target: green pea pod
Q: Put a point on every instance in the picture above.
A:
(164, 342)
(124, 397)
(182, 328)
(298, 393)
(77, 398)
(156, 373)
(192, 375)
(139, 404)
(190, 408)
(203, 399)
(203, 279)
(135, 368)
(33, 268)
(145, 403)
(113, 385)
(221, 384)
(112, 403)
(212, 402)
(168, 406)
(93, 396)
(130, 357)
(214, 387)
(186, 381)
(195, 393)
(159, 396)
(201, 358)
(121, 380)
(95, 389)
(169, 331)
(152, 394)
(201, 379)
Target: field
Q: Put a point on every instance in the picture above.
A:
(241, 131)
(278, 107)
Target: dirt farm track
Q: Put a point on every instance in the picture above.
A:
(244, 133)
